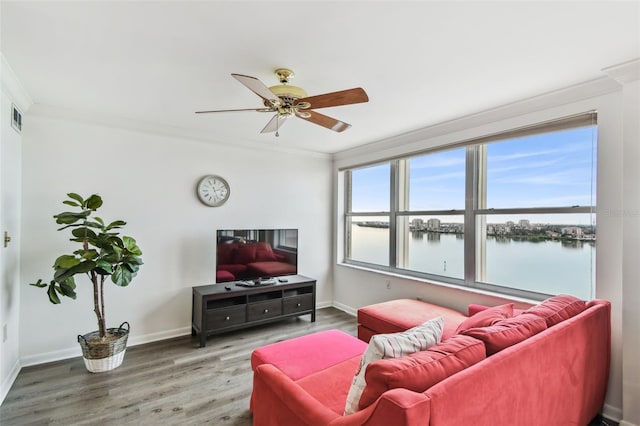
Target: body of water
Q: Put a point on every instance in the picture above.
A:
(551, 267)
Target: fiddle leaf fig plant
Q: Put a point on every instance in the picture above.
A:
(102, 253)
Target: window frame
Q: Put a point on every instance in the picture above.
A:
(475, 204)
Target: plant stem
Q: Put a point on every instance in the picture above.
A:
(96, 304)
(102, 277)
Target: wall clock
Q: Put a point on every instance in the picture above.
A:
(213, 190)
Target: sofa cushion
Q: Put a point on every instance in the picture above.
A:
(421, 370)
(235, 268)
(224, 276)
(487, 317)
(271, 269)
(226, 252)
(507, 332)
(265, 256)
(394, 345)
(558, 308)
(245, 253)
(474, 308)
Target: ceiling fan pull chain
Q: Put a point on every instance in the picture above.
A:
(277, 127)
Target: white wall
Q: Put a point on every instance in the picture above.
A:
(357, 287)
(149, 181)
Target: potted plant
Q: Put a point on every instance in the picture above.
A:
(102, 254)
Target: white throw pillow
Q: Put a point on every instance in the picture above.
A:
(394, 345)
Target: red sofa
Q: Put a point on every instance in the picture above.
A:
(557, 376)
(238, 261)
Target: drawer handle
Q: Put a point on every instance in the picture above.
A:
(266, 311)
(298, 305)
(227, 318)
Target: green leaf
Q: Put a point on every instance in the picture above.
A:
(121, 276)
(68, 287)
(93, 202)
(84, 232)
(131, 246)
(93, 224)
(115, 224)
(88, 254)
(76, 197)
(103, 267)
(65, 262)
(53, 296)
(39, 283)
(71, 203)
(67, 218)
(99, 220)
(83, 267)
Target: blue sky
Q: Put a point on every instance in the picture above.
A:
(547, 170)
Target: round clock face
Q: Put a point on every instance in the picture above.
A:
(213, 190)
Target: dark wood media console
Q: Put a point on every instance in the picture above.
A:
(217, 310)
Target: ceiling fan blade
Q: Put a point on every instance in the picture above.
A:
(324, 121)
(256, 86)
(235, 110)
(343, 97)
(274, 124)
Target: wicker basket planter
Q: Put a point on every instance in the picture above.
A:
(104, 354)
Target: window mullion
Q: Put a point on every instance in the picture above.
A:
(393, 209)
(471, 194)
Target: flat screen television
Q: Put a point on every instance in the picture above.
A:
(253, 254)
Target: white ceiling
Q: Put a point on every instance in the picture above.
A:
(152, 64)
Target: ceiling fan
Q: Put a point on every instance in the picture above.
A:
(289, 101)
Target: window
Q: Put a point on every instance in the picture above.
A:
(512, 213)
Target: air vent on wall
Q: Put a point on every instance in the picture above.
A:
(16, 118)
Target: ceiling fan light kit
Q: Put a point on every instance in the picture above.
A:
(289, 101)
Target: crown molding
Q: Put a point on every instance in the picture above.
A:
(12, 86)
(116, 122)
(625, 72)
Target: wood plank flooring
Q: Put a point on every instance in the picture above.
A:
(172, 382)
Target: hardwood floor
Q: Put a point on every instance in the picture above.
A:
(172, 382)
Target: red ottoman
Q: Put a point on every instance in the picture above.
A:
(319, 350)
(334, 352)
(399, 315)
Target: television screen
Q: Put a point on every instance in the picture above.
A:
(251, 254)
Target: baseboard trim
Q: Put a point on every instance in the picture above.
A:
(612, 413)
(626, 423)
(161, 335)
(8, 382)
(347, 309)
(75, 351)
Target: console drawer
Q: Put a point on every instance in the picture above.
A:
(295, 304)
(226, 317)
(264, 310)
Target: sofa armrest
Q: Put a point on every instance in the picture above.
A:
(398, 407)
(279, 401)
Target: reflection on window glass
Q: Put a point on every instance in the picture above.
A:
(434, 245)
(545, 170)
(549, 254)
(370, 189)
(369, 239)
(436, 181)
